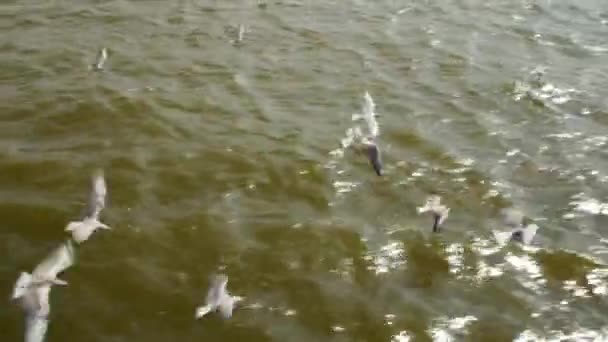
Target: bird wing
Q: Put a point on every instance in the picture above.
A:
(373, 153)
(56, 262)
(225, 306)
(443, 213)
(97, 198)
(528, 233)
(217, 289)
(202, 311)
(22, 285)
(369, 114)
(369, 106)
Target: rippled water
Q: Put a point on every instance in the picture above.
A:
(225, 155)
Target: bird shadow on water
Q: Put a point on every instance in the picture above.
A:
(427, 266)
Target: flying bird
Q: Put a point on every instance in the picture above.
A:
(368, 141)
(521, 230)
(439, 211)
(31, 291)
(218, 298)
(82, 230)
(102, 56)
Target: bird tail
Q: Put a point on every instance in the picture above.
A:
(36, 328)
(202, 311)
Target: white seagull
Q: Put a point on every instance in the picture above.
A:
(369, 141)
(32, 290)
(440, 212)
(218, 298)
(521, 230)
(102, 56)
(82, 230)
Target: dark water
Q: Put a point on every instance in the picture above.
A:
(223, 156)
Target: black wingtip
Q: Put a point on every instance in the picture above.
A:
(374, 158)
(518, 236)
(436, 223)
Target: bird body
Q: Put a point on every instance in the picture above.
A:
(32, 290)
(521, 230)
(82, 230)
(102, 56)
(218, 298)
(368, 141)
(440, 212)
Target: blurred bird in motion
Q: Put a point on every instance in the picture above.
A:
(440, 212)
(218, 298)
(82, 230)
(102, 56)
(368, 141)
(31, 291)
(521, 230)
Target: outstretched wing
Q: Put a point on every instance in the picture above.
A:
(217, 289)
(369, 114)
(56, 262)
(97, 198)
(512, 217)
(225, 306)
(369, 107)
(528, 233)
(22, 285)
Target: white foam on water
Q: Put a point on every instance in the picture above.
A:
(564, 136)
(486, 272)
(402, 336)
(444, 328)
(455, 257)
(390, 256)
(344, 186)
(598, 279)
(534, 280)
(485, 247)
(581, 334)
(587, 205)
(576, 290)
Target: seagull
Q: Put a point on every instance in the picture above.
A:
(521, 230)
(82, 230)
(440, 212)
(32, 290)
(368, 141)
(218, 298)
(240, 34)
(102, 56)
(374, 156)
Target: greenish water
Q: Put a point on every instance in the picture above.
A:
(222, 156)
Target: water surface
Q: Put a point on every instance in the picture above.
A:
(224, 156)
